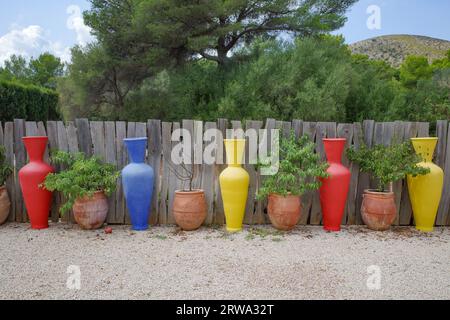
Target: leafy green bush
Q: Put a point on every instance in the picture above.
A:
(299, 169)
(387, 163)
(5, 169)
(19, 101)
(83, 177)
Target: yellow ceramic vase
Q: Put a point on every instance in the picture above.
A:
(425, 191)
(234, 183)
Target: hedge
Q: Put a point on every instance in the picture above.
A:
(32, 103)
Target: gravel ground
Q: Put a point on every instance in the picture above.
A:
(165, 263)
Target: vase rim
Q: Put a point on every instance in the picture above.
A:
(381, 193)
(230, 140)
(194, 191)
(135, 139)
(425, 139)
(35, 138)
(334, 139)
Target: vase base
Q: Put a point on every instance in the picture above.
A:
(332, 229)
(139, 228)
(425, 229)
(234, 230)
(39, 227)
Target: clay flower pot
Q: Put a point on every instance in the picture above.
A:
(378, 210)
(189, 209)
(5, 205)
(284, 211)
(90, 213)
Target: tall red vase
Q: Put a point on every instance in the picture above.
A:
(37, 200)
(334, 190)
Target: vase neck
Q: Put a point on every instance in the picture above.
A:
(235, 152)
(425, 147)
(35, 148)
(136, 149)
(334, 149)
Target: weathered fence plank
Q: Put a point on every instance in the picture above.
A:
(443, 217)
(52, 133)
(121, 156)
(154, 160)
(309, 129)
(84, 136)
(219, 215)
(8, 141)
(111, 158)
(208, 176)
(410, 131)
(345, 130)
(20, 156)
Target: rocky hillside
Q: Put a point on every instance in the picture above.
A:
(395, 48)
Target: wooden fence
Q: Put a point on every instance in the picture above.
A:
(105, 139)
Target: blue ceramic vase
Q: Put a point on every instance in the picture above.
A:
(138, 180)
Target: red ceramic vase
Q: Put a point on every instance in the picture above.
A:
(37, 200)
(334, 190)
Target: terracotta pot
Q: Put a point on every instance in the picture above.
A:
(5, 204)
(90, 213)
(284, 212)
(378, 210)
(189, 209)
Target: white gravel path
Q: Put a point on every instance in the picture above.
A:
(165, 263)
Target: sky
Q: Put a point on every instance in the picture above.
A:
(31, 27)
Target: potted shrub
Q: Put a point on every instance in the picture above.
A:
(300, 170)
(85, 185)
(189, 204)
(5, 172)
(387, 164)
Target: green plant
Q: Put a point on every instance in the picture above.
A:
(33, 103)
(83, 177)
(299, 169)
(5, 169)
(387, 163)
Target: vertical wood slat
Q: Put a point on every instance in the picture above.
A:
(8, 142)
(166, 149)
(364, 178)
(443, 217)
(252, 139)
(63, 145)
(219, 215)
(154, 160)
(52, 133)
(20, 158)
(261, 208)
(345, 131)
(121, 158)
(174, 183)
(111, 158)
(354, 169)
(410, 131)
(208, 177)
(309, 129)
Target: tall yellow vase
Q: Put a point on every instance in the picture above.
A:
(234, 183)
(425, 191)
